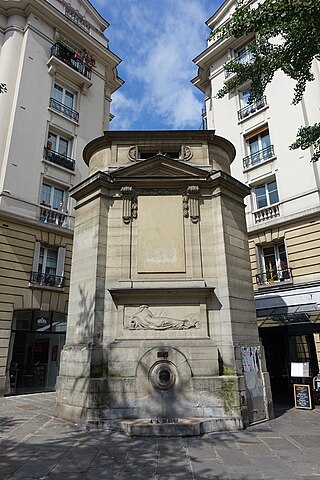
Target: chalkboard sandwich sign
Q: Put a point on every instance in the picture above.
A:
(302, 396)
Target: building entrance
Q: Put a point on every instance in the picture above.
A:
(283, 345)
(36, 341)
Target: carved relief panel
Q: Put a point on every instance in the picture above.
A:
(162, 320)
(145, 319)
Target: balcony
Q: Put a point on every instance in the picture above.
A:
(252, 108)
(59, 159)
(274, 276)
(76, 18)
(217, 36)
(46, 280)
(258, 157)
(244, 57)
(53, 217)
(71, 58)
(267, 213)
(64, 109)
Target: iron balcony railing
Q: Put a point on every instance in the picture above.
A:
(252, 108)
(46, 279)
(244, 57)
(69, 56)
(274, 276)
(64, 109)
(258, 157)
(59, 159)
(217, 37)
(53, 217)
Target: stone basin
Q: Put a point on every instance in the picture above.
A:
(180, 427)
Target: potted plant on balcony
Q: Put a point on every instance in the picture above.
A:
(89, 59)
(284, 273)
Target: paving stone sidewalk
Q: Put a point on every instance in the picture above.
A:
(36, 445)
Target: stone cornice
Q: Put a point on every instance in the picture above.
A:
(229, 183)
(284, 220)
(102, 184)
(19, 6)
(136, 136)
(13, 217)
(55, 17)
(170, 288)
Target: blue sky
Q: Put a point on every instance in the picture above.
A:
(157, 40)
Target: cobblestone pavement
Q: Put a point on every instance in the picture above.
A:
(36, 445)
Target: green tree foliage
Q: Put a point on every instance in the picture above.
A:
(287, 38)
(3, 88)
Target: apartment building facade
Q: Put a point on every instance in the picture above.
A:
(60, 75)
(282, 211)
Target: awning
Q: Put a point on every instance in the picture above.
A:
(289, 314)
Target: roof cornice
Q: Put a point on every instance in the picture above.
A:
(135, 136)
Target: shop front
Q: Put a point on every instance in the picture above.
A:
(37, 338)
(289, 336)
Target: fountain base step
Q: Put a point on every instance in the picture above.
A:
(180, 427)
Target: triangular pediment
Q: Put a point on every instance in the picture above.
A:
(160, 166)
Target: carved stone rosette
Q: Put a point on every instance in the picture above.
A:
(129, 206)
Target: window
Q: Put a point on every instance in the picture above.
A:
(58, 144)
(63, 96)
(53, 209)
(258, 142)
(37, 339)
(301, 348)
(145, 155)
(273, 264)
(58, 151)
(247, 109)
(53, 197)
(243, 55)
(258, 146)
(63, 101)
(266, 194)
(48, 265)
(274, 257)
(48, 261)
(244, 98)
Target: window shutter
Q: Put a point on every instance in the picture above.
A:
(36, 255)
(60, 261)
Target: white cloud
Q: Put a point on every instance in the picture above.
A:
(125, 110)
(157, 42)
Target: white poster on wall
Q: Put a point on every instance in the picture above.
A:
(300, 369)
(251, 367)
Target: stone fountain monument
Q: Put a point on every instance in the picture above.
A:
(162, 335)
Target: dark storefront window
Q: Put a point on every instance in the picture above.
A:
(37, 339)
